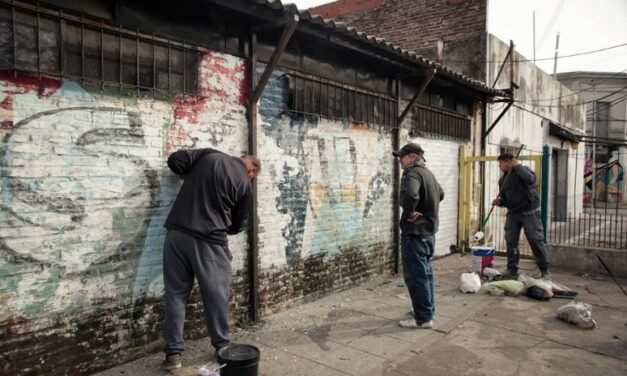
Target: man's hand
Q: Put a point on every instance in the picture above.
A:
(496, 202)
(413, 217)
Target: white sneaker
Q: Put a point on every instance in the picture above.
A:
(413, 324)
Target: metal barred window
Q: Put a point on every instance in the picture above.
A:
(314, 96)
(43, 42)
(436, 121)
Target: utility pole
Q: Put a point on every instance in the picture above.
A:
(594, 147)
(557, 45)
(534, 36)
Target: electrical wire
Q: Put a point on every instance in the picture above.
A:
(541, 59)
(581, 90)
(574, 104)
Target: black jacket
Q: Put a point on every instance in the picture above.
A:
(215, 197)
(420, 192)
(519, 193)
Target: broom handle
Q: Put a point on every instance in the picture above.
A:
(485, 221)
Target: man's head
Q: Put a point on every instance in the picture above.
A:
(409, 154)
(505, 161)
(253, 165)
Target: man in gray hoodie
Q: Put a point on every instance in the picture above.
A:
(420, 199)
(518, 195)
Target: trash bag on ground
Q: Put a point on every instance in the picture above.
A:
(538, 293)
(491, 274)
(536, 288)
(469, 282)
(509, 287)
(492, 289)
(561, 291)
(577, 313)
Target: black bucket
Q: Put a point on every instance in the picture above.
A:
(239, 360)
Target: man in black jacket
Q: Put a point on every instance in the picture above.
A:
(420, 199)
(213, 201)
(518, 195)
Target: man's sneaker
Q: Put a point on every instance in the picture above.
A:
(172, 361)
(546, 276)
(413, 324)
(509, 274)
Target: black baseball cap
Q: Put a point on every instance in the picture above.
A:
(410, 148)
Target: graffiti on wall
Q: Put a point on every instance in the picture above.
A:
(329, 177)
(85, 189)
(608, 181)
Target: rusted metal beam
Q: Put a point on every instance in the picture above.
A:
(509, 54)
(423, 87)
(498, 119)
(274, 59)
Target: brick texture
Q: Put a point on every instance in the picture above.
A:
(418, 25)
(326, 212)
(83, 197)
(85, 191)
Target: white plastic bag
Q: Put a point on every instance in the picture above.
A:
(469, 282)
(577, 313)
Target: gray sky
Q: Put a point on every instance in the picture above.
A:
(584, 25)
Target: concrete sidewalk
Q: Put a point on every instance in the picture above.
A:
(356, 332)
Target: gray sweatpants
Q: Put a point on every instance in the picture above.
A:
(532, 224)
(184, 257)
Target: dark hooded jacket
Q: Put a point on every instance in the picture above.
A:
(215, 197)
(420, 192)
(519, 192)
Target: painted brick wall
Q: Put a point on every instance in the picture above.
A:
(326, 207)
(85, 191)
(83, 197)
(418, 25)
(442, 158)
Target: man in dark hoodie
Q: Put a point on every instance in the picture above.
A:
(518, 195)
(420, 199)
(213, 201)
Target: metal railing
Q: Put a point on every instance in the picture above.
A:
(600, 230)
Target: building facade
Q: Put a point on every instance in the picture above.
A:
(541, 115)
(94, 96)
(605, 95)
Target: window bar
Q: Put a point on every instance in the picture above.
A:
(61, 41)
(295, 96)
(184, 75)
(38, 43)
(198, 66)
(351, 106)
(610, 227)
(169, 67)
(370, 106)
(364, 108)
(304, 97)
(328, 87)
(320, 99)
(13, 15)
(137, 60)
(384, 112)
